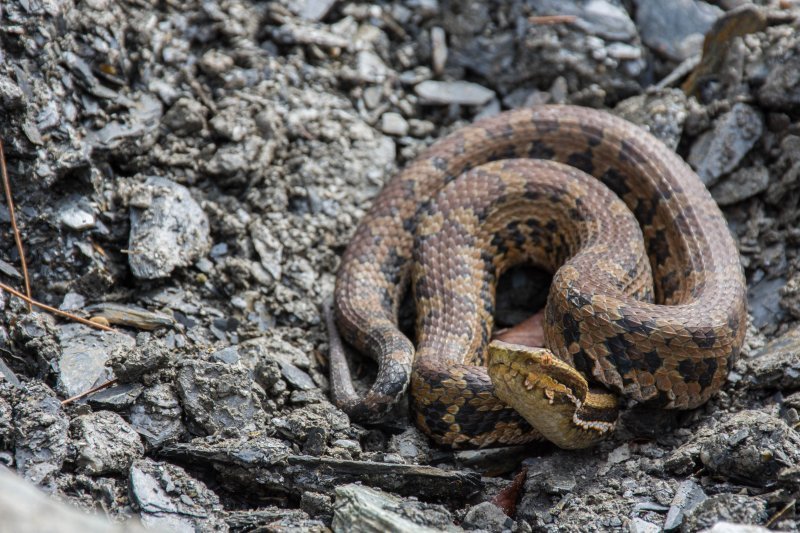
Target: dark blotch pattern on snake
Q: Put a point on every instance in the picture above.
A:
(672, 354)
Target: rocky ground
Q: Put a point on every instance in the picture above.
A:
(191, 171)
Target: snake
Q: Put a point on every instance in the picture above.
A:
(647, 302)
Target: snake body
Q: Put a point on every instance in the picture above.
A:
(599, 319)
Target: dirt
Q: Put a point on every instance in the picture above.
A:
(192, 172)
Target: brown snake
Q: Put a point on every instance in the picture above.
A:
(599, 319)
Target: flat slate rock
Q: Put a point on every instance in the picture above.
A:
(171, 500)
(84, 352)
(360, 508)
(270, 463)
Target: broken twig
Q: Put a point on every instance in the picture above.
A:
(53, 310)
(17, 238)
(84, 394)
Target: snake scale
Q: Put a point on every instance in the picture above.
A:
(647, 299)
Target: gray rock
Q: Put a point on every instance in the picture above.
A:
(662, 113)
(372, 96)
(84, 76)
(8, 375)
(6, 424)
(764, 301)
(25, 509)
(172, 500)
(741, 185)
(268, 374)
(359, 508)
(11, 96)
(487, 517)
(305, 397)
(9, 270)
(274, 348)
(370, 67)
(130, 363)
(751, 447)
(719, 151)
(727, 507)
(40, 434)
(488, 55)
(602, 18)
(548, 475)
(623, 51)
(229, 356)
(316, 504)
(776, 365)
(790, 296)
(168, 229)
(453, 92)
(76, 213)
(268, 248)
(36, 335)
(787, 169)
(316, 441)
(218, 396)
(72, 302)
(215, 63)
(421, 128)
(84, 352)
(637, 525)
(394, 124)
(438, 50)
(425, 8)
(296, 424)
(186, 116)
(730, 527)
(688, 496)
(103, 443)
(296, 377)
(675, 29)
(135, 135)
(312, 10)
(781, 87)
(117, 397)
(233, 123)
(227, 162)
(291, 33)
(412, 445)
(156, 415)
(350, 445)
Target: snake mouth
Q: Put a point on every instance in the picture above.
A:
(550, 394)
(526, 363)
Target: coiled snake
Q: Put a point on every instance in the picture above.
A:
(482, 199)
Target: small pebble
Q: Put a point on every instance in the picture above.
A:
(394, 124)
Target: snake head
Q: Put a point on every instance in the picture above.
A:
(551, 395)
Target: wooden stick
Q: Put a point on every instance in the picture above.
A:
(17, 238)
(84, 394)
(552, 19)
(53, 310)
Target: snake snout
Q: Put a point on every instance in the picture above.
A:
(551, 395)
(517, 356)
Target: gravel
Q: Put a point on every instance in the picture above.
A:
(192, 174)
